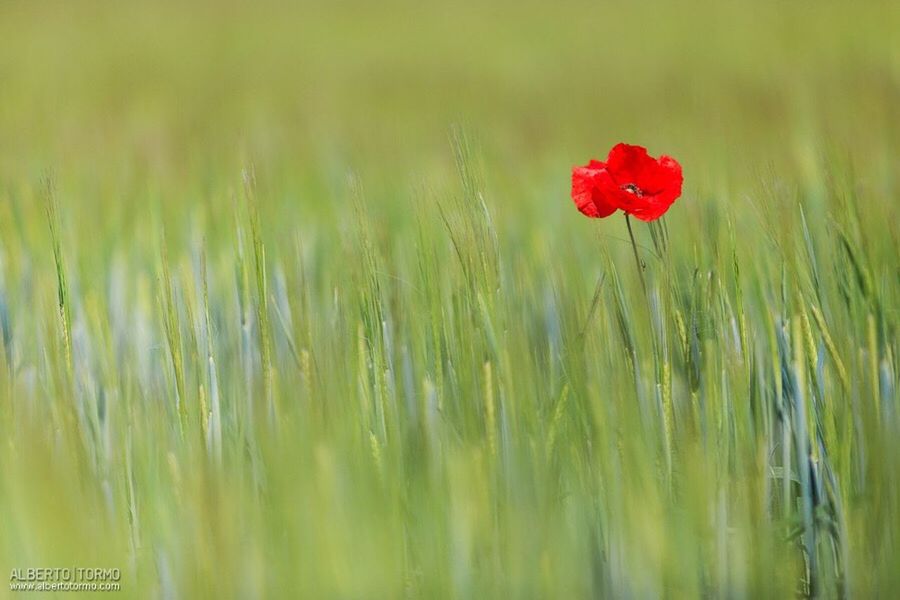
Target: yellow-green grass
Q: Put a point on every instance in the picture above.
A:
(294, 301)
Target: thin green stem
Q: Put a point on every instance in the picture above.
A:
(637, 258)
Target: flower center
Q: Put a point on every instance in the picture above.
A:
(633, 189)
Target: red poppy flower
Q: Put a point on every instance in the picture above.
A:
(630, 180)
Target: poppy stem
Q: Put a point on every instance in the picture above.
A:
(637, 258)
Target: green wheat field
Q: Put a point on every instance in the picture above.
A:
(295, 303)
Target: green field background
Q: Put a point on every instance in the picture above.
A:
(294, 301)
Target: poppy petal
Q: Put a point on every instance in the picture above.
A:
(662, 186)
(587, 190)
(629, 164)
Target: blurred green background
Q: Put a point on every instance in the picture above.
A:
(420, 393)
(130, 90)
